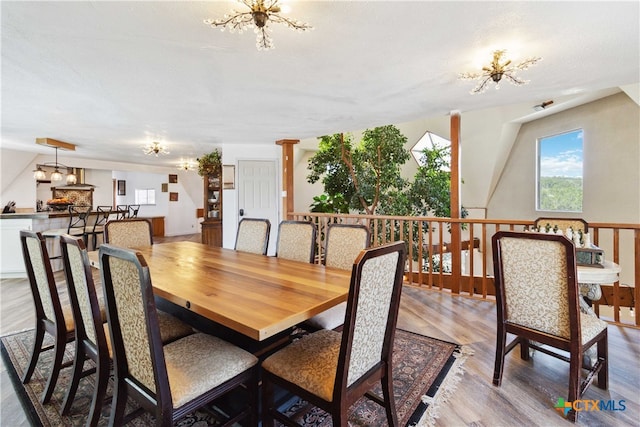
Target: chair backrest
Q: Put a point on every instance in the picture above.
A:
(372, 313)
(102, 216)
(82, 292)
(43, 285)
(536, 285)
(343, 244)
(78, 216)
(133, 211)
(122, 211)
(253, 235)
(296, 241)
(563, 223)
(129, 233)
(133, 320)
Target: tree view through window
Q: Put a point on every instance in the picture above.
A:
(560, 172)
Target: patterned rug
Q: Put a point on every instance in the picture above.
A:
(425, 371)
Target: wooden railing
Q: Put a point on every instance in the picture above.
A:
(464, 265)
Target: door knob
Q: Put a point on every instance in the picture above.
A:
(241, 212)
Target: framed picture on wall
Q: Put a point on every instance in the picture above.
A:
(122, 187)
(173, 197)
(165, 187)
(173, 179)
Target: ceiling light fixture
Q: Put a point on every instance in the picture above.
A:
(497, 70)
(260, 14)
(186, 165)
(155, 148)
(39, 174)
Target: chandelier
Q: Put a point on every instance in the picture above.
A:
(155, 148)
(186, 165)
(260, 14)
(497, 70)
(39, 174)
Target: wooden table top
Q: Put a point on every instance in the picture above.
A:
(256, 295)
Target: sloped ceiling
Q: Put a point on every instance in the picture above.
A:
(112, 76)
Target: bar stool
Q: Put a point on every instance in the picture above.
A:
(75, 227)
(122, 212)
(133, 211)
(103, 214)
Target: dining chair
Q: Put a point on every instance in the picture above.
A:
(537, 301)
(128, 233)
(122, 212)
(253, 235)
(133, 211)
(91, 333)
(296, 241)
(103, 213)
(343, 244)
(173, 380)
(52, 317)
(332, 369)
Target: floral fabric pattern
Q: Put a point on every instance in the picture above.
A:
(252, 236)
(344, 245)
(129, 234)
(295, 241)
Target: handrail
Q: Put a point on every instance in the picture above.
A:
(465, 267)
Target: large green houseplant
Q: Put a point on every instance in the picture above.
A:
(209, 163)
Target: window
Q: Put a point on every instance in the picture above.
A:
(431, 141)
(559, 186)
(145, 196)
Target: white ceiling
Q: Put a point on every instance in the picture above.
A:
(112, 76)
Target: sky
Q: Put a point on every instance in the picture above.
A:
(561, 155)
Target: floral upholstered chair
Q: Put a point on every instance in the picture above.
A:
(296, 241)
(332, 369)
(342, 246)
(171, 380)
(129, 233)
(253, 235)
(538, 302)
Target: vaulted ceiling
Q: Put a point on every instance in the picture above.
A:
(112, 76)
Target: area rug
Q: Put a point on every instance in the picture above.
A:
(425, 371)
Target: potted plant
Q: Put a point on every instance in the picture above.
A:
(209, 163)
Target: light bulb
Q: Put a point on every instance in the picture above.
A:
(56, 175)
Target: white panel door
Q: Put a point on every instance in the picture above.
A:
(257, 195)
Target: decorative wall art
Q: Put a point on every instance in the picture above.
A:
(122, 187)
(173, 197)
(165, 187)
(173, 179)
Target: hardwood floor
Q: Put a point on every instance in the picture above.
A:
(529, 389)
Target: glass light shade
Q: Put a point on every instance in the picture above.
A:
(39, 174)
(71, 179)
(56, 175)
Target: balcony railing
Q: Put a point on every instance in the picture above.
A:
(464, 265)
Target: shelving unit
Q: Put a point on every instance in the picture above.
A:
(212, 224)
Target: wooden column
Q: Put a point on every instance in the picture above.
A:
(287, 175)
(455, 202)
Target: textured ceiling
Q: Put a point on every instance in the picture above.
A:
(112, 76)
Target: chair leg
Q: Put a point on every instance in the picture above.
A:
(389, 399)
(254, 398)
(267, 399)
(118, 403)
(501, 339)
(78, 363)
(35, 353)
(58, 349)
(102, 380)
(575, 367)
(603, 354)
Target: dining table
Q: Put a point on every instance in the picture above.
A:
(590, 279)
(258, 296)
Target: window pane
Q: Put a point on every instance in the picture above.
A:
(560, 172)
(145, 196)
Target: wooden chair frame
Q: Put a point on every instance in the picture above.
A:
(84, 347)
(160, 402)
(55, 327)
(267, 232)
(312, 243)
(525, 335)
(344, 396)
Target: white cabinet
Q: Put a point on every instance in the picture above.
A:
(11, 262)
